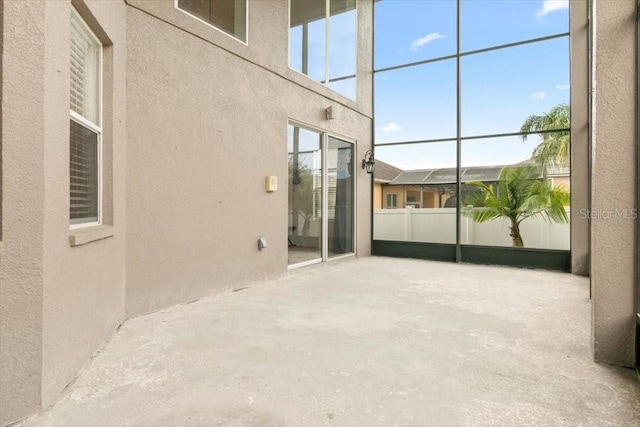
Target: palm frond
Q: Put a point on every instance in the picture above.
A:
(522, 193)
(555, 146)
(483, 214)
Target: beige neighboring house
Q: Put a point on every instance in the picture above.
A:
(560, 177)
(383, 174)
(434, 188)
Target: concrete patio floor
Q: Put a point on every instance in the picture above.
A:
(367, 342)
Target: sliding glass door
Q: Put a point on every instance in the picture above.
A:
(340, 196)
(320, 196)
(305, 195)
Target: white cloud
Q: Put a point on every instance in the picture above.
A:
(426, 39)
(538, 95)
(391, 127)
(549, 6)
(562, 87)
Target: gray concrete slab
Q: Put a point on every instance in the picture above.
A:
(374, 341)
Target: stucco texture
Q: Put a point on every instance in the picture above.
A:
(203, 119)
(206, 126)
(84, 285)
(580, 149)
(21, 250)
(614, 184)
(59, 303)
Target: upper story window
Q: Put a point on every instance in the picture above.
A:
(229, 16)
(86, 126)
(322, 42)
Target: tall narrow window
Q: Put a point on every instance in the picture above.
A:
(85, 127)
(229, 16)
(322, 42)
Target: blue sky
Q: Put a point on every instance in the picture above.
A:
(342, 52)
(499, 88)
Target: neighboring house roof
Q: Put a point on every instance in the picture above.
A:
(384, 172)
(553, 169)
(558, 171)
(448, 175)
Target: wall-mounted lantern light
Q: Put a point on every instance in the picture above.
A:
(368, 163)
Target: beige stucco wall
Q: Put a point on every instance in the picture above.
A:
(377, 195)
(83, 298)
(613, 183)
(565, 182)
(579, 184)
(207, 123)
(21, 250)
(206, 119)
(59, 303)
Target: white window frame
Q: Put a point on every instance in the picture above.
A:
(327, 47)
(209, 24)
(395, 204)
(79, 119)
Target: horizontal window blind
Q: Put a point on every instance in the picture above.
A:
(84, 174)
(85, 132)
(85, 71)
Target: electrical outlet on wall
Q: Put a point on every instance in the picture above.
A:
(262, 243)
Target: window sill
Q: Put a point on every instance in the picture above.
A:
(81, 236)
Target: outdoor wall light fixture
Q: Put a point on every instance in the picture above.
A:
(368, 163)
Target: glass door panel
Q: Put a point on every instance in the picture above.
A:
(305, 195)
(340, 197)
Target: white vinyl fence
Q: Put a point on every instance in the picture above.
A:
(439, 226)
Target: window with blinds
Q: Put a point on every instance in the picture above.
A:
(84, 174)
(85, 130)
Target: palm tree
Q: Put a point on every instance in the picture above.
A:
(520, 194)
(554, 150)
